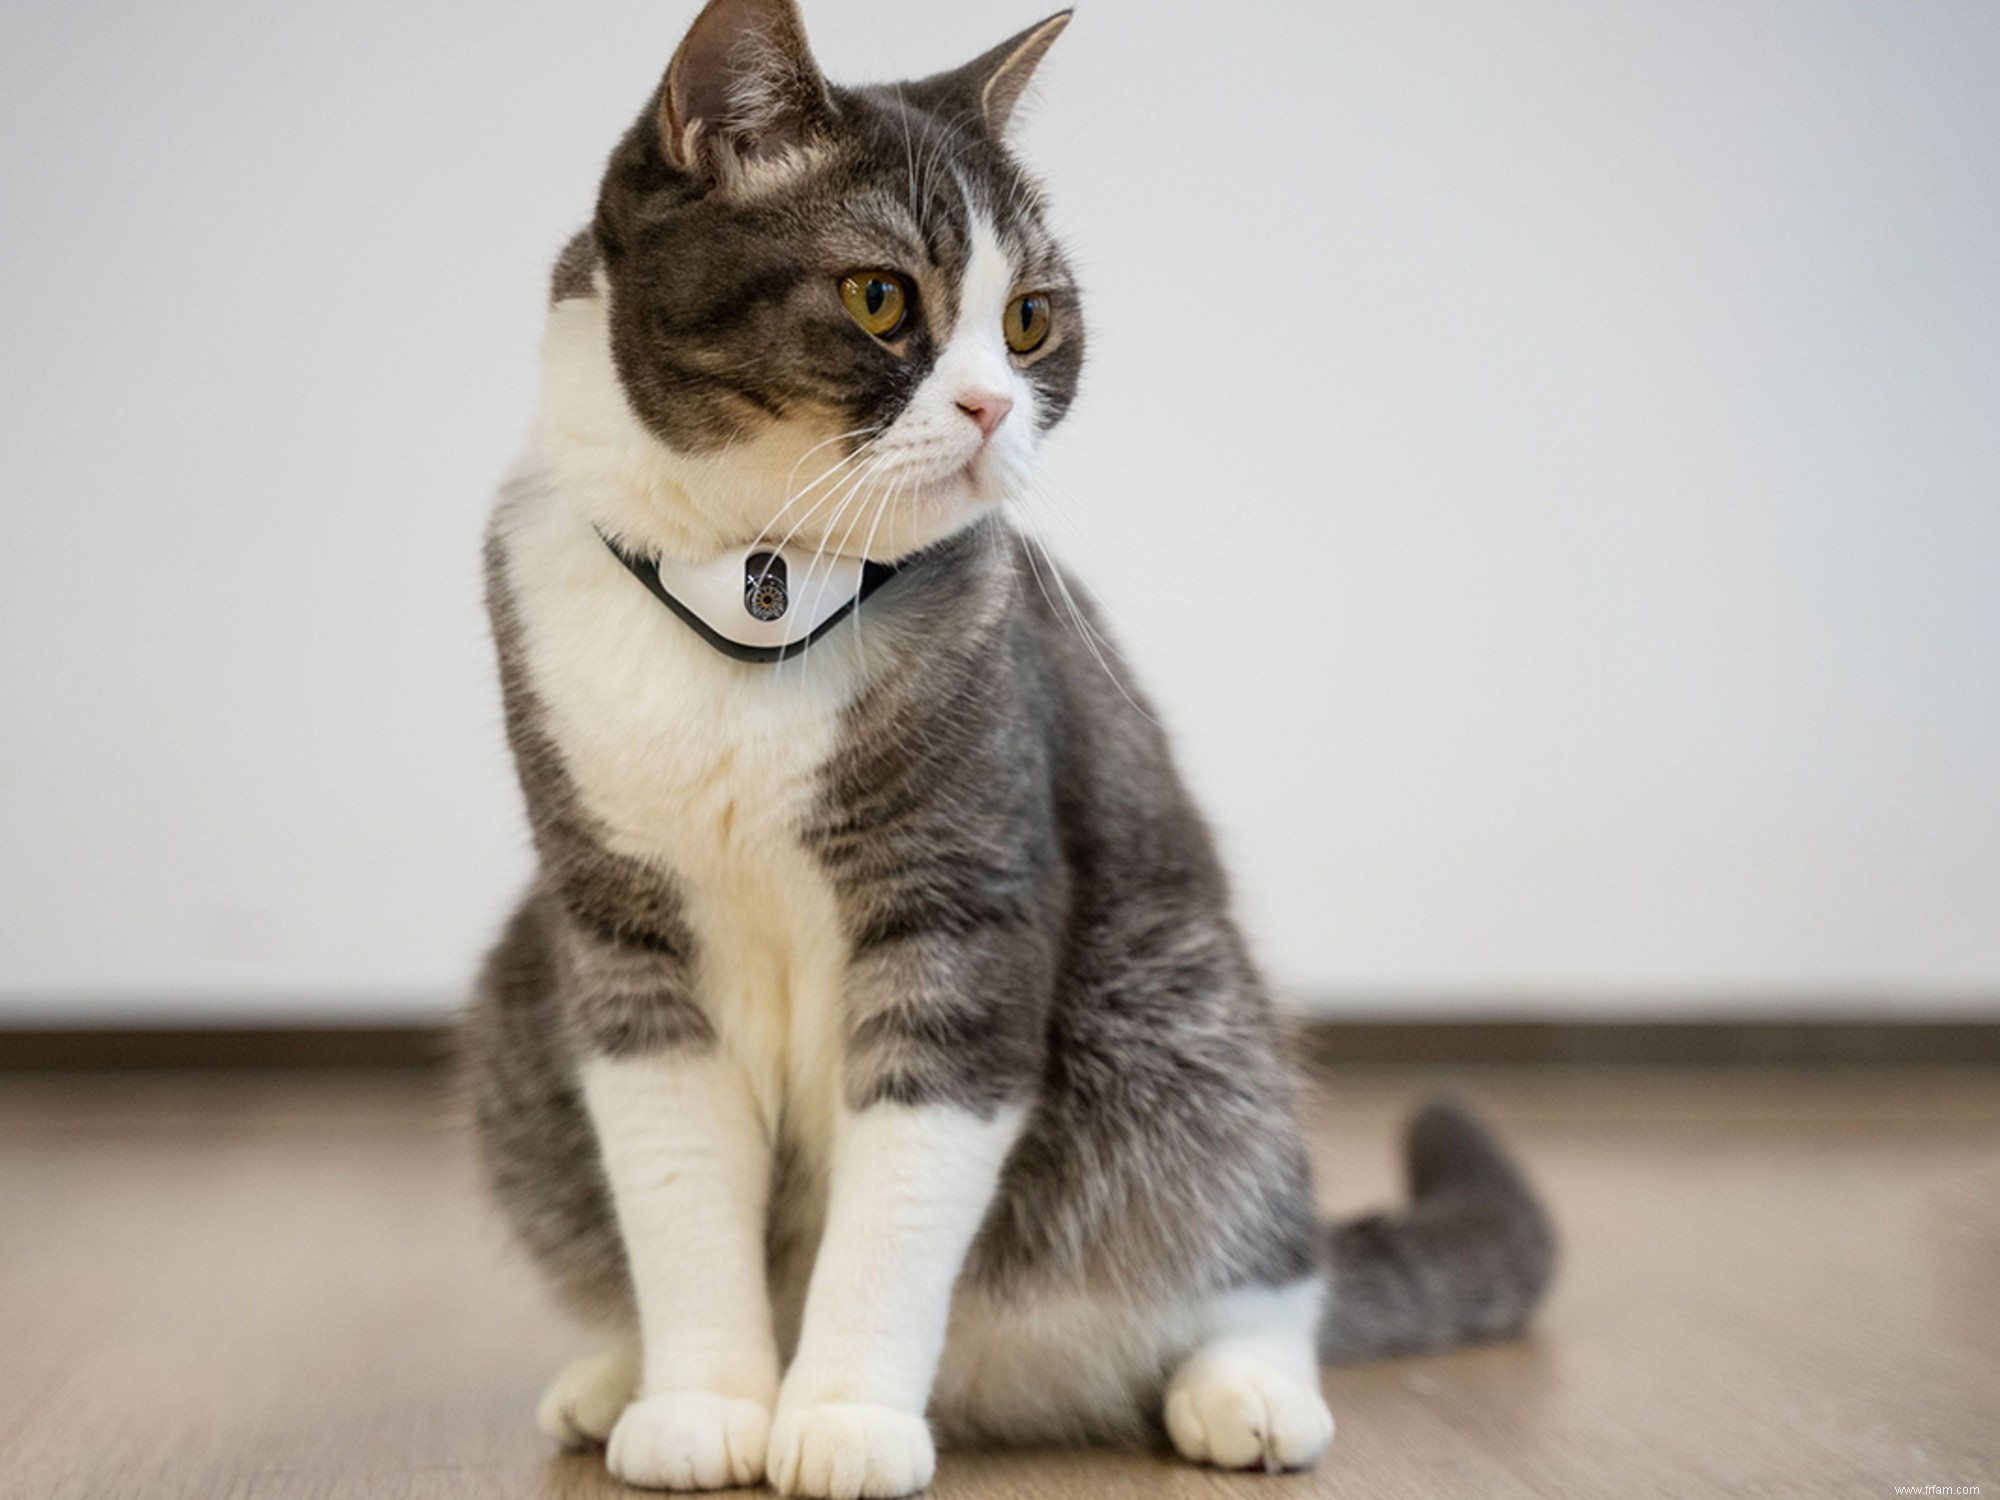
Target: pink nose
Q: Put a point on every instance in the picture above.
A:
(987, 408)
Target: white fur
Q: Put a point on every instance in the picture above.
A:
(1249, 1396)
(583, 1403)
(1238, 1411)
(689, 1166)
(690, 1440)
(910, 1186)
(1278, 1324)
(909, 1189)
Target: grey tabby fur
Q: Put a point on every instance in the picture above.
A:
(1035, 909)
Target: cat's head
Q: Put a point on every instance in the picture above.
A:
(835, 312)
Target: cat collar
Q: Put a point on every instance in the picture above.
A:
(761, 604)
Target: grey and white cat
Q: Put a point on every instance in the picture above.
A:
(875, 1055)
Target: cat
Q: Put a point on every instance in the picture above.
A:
(874, 1058)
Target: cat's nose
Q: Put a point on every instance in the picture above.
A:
(987, 408)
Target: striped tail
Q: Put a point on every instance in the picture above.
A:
(1466, 1262)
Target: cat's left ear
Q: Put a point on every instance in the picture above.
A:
(986, 89)
(742, 88)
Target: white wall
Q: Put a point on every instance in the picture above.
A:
(1546, 458)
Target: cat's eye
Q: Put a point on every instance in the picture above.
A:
(877, 300)
(1027, 322)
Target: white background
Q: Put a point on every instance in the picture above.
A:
(1544, 457)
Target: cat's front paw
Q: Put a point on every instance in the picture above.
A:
(689, 1440)
(844, 1450)
(582, 1404)
(1241, 1413)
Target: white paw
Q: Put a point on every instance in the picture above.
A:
(581, 1403)
(1237, 1412)
(689, 1440)
(841, 1451)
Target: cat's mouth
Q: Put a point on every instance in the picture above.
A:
(980, 468)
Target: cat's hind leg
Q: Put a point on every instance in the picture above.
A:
(584, 1402)
(1248, 1396)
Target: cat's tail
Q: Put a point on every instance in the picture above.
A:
(1467, 1260)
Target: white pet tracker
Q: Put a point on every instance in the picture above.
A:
(764, 603)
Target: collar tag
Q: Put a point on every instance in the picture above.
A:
(759, 604)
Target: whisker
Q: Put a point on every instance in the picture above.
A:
(947, 149)
(1079, 622)
(1045, 489)
(847, 536)
(909, 151)
(830, 471)
(852, 487)
(866, 451)
(848, 487)
(793, 473)
(868, 546)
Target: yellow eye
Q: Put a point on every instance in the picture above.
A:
(1027, 322)
(877, 300)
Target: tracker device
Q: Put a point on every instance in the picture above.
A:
(763, 603)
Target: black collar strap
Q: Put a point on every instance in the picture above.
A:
(756, 594)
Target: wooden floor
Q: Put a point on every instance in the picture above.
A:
(251, 1288)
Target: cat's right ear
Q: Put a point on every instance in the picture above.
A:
(986, 90)
(742, 89)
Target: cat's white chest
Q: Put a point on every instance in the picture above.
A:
(706, 769)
